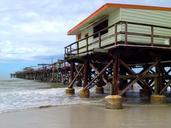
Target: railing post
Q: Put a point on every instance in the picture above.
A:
(152, 35)
(87, 44)
(78, 47)
(65, 50)
(126, 33)
(116, 35)
(99, 39)
(70, 49)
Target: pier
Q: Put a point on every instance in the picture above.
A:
(56, 72)
(123, 64)
(122, 54)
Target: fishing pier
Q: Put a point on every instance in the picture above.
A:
(122, 45)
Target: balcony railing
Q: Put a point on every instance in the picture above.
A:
(152, 32)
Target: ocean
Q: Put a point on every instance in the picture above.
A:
(16, 94)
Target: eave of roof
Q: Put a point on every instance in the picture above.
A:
(111, 5)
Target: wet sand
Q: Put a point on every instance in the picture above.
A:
(89, 116)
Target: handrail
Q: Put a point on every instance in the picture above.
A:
(157, 26)
(76, 50)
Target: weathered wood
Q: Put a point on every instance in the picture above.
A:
(96, 70)
(127, 77)
(139, 77)
(72, 71)
(115, 79)
(100, 73)
(100, 50)
(86, 72)
(72, 82)
(140, 82)
(152, 35)
(158, 80)
(168, 83)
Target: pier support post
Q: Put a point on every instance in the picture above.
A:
(114, 101)
(123, 82)
(145, 92)
(70, 90)
(99, 90)
(156, 98)
(100, 83)
(79, 81)
(84, 93)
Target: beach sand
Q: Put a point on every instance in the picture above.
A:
(89, 116)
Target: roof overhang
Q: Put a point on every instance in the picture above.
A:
(104, 11)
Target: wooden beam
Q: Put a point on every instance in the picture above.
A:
(168, 84)
(86, 72)
(158, 80)
(88, 86)
(72, 82)
(115, 80)
(96, 70)
(139, 76)
(130, 71)
(125, 77)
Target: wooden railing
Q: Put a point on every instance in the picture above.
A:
(77, 49)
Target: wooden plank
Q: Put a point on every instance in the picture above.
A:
(100, 50)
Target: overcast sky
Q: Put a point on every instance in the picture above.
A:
(35, 31)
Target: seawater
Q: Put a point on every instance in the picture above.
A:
(16, 94)
(22, 94)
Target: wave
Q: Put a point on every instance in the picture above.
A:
(22, 94)
(34, 98)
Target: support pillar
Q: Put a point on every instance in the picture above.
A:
(99, 87)
(114, 101)
(156, 98)
(124, 82)
(84, 93)
(100, 83)
(79, 81)
(71, 90)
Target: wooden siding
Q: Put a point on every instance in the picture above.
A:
(153, 17)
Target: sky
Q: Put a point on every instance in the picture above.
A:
(35, 31)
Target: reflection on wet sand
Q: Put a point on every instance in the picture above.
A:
(90, 116)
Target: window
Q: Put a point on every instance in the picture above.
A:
(99, 27)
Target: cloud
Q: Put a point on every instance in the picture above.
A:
(26, 51)
(41, 27)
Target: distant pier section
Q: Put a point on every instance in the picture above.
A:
(56, 72)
